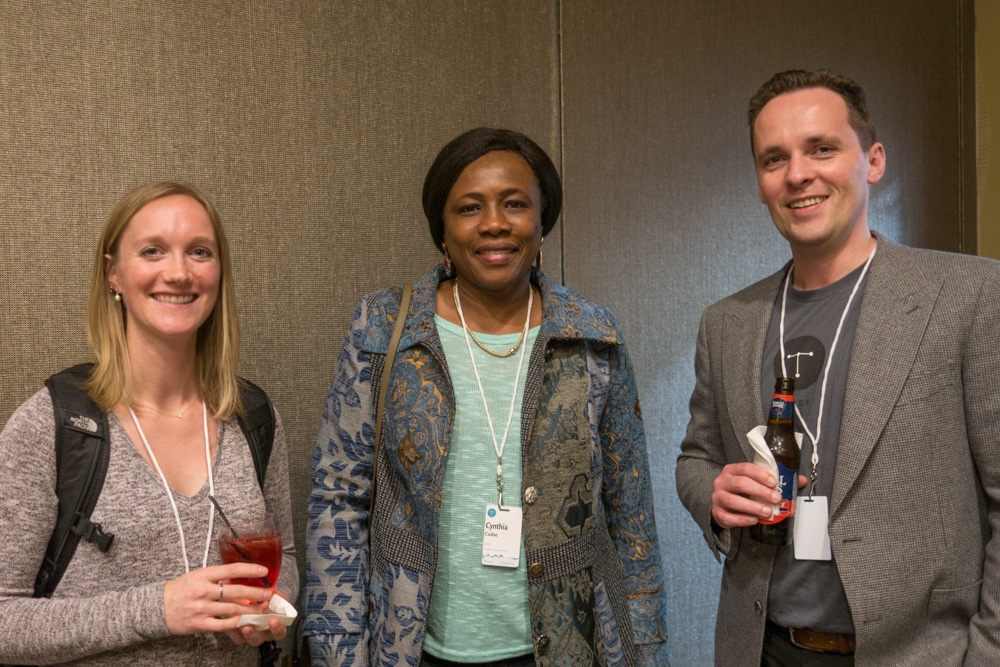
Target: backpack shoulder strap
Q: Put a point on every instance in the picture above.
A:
(257, 423)
(82, 453)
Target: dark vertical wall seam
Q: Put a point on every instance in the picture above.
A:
(968, 236)
(562, 136)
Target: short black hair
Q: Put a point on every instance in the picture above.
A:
(465, 149)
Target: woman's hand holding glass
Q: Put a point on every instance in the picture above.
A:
(258, 542)
(202, 601)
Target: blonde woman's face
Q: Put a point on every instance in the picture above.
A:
(167, 271)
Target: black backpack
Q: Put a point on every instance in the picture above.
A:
(82, 455)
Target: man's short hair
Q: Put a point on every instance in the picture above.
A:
(799, 79)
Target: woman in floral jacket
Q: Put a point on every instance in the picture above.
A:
(541, 553)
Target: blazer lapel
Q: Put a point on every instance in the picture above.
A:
(895, 310)
(743, 347)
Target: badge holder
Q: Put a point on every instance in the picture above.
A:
(810, 535)
(811, 531)
(502, 536)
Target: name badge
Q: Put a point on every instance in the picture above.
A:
(502, 536)
(811, 534)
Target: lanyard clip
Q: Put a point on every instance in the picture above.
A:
(499, 482)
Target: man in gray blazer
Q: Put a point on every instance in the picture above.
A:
(896, 356)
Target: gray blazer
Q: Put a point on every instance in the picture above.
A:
(915, 508)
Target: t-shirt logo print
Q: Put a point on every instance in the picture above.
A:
(804, 360)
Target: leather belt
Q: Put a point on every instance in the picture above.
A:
(815, 640)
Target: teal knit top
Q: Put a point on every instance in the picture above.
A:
(479, 613)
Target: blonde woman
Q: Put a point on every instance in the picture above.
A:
(161, 321)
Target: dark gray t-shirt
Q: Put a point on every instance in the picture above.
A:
(803, 593)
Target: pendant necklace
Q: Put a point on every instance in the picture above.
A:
(179, 415)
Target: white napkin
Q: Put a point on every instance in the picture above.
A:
(279, 608)
(762, 455)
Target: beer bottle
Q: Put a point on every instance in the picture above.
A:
(780, 439)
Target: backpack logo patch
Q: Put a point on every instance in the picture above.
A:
(79, 422)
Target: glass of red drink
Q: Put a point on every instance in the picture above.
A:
(258, 542)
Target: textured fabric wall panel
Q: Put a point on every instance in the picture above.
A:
(309, 124)
(662, 217)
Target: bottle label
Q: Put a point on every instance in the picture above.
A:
(783, 406)
(789, 488)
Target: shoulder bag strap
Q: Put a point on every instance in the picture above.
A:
(390, 358)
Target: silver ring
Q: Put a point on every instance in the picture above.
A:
(220, 592)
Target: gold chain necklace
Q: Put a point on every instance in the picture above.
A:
(499, 355)
(179, 415)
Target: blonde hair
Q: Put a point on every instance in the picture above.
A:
(218, 340)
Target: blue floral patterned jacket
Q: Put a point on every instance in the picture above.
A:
(595, 581)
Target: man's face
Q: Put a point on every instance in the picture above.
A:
(812, 173)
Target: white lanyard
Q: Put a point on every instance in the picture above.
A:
(829, 361)
(170, 495)
(498, 448)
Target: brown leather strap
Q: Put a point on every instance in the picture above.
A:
(827, 642)
(390, 358)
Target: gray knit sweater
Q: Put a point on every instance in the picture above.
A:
(108, 608)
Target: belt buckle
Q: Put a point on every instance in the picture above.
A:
(795, 642)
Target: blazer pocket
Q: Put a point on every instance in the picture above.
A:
(924, 383)
(949, 610)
